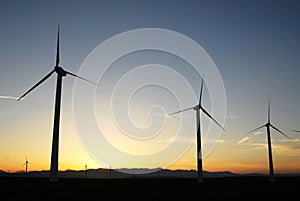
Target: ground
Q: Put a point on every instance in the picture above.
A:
(31, 188)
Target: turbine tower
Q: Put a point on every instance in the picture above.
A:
(55, 138)
(199, 108)
(268, 125)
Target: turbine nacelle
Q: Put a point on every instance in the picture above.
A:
(60, 71)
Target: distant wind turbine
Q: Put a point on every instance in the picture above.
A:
(26, 164)
(268, 125)
(110, 171)
(85, 171)
(199, 108)
(60, 73)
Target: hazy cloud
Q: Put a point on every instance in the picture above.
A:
(214, 140)
(258, 133)
(260, 146)
(177, 140)
(232, 117)
(243, 140)
(286, 149)
(10, 97)
(283, 147)
(295, 140)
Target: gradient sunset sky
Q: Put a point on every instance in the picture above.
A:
(255, 46)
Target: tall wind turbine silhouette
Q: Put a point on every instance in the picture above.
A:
(268, 125)
(199, 108)
(55, 139)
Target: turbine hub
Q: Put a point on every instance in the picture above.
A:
(60, 70)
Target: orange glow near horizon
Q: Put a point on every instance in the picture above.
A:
(185, 163)
(226, 156)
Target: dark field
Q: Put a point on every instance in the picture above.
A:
(239, 188)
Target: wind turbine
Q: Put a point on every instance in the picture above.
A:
(26, 164)
(55, 139)
(110, 171)
(268, 125)
(85, 171)
(199, 108)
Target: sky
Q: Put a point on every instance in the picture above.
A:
(148, 59)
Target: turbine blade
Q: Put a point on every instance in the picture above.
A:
(256, 129)
(81, 77)
(57, 48)
(269, 112)
(212, 118)
(181, 110)
(279, 131)
(296, 131)
(37, 84)
(201, 89)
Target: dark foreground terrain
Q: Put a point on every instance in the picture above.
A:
(233, 188)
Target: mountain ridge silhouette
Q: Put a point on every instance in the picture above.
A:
(133, 173)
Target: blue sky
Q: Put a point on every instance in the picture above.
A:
(254, 45)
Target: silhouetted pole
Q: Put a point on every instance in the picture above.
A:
(272, 178)
(55, 138)
(85, 172)
(199, 154)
